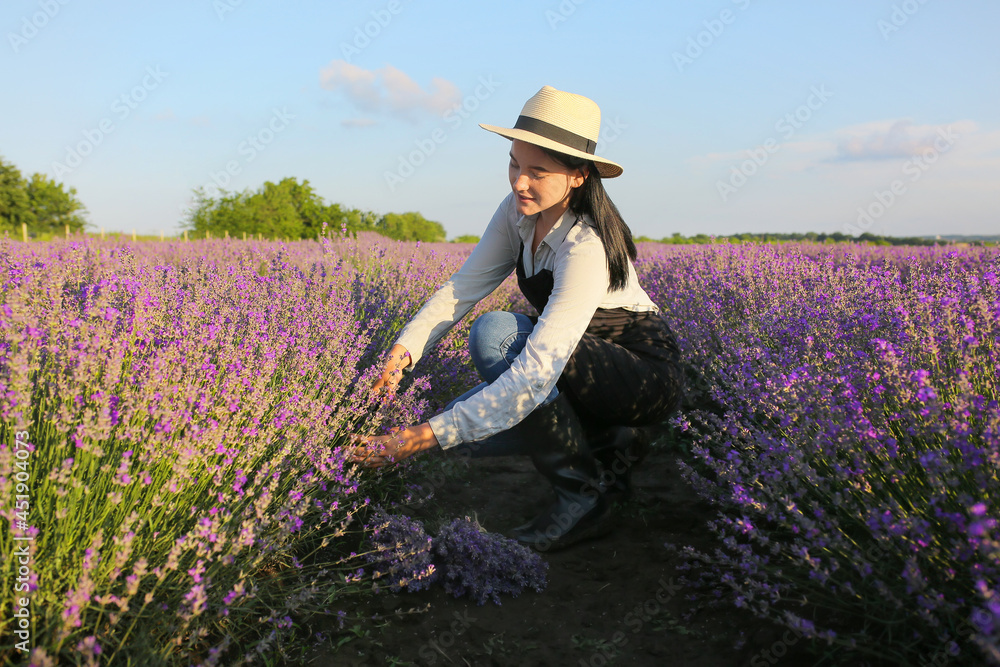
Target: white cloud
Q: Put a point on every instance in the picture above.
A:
(388, 89)
(776, 158)
(892, 139)
(358, 122)
(874, 142)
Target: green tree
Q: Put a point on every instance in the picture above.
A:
(466, 238)
(41, 203)
(359, 221)
(53, 207)
(229, 212)
(294, 210)
(284, 209)
(410, 226)
(14, 205)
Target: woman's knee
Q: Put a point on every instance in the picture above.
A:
(495, 338)
(488, 325)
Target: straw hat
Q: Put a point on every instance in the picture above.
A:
(564, 122)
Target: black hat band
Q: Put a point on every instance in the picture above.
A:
(555, 133)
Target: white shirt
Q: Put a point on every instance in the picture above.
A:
(575, 256)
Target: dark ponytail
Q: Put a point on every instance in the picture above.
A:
(592, 199)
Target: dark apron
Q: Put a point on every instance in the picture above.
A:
(626, 368)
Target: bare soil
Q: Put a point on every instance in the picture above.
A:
(612, 601)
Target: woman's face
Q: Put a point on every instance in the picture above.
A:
(538, 181)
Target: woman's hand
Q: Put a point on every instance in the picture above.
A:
(399, 358)
(379, 450)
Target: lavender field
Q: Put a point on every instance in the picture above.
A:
(173, 416)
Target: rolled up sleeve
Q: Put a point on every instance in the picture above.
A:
(580, 282)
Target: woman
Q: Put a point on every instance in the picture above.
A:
(570, 387)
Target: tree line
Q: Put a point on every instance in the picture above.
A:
(287, 209)
(292, 209)
(835, 237)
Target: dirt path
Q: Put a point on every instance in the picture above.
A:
(614, 601)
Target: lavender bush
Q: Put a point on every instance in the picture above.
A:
(848, 431)
(183, 407)
(175, 412)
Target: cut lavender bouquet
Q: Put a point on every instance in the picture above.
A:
(464, 557)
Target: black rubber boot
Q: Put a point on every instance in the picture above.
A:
(619, 449)
(559, 450)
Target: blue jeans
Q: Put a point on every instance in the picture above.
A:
(495, 340)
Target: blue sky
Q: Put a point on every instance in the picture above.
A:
(727, 116)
